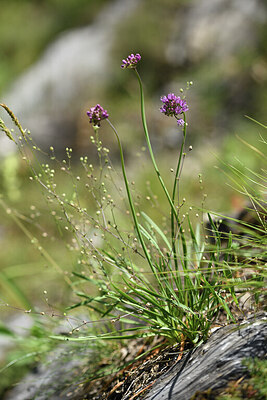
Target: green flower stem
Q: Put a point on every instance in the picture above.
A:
(149, 144)
(136, 223)
(173, 217)
(171, 202)
(179, 161)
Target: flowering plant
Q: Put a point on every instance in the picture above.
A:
(150, 281)
(97, 114)
(176, 306)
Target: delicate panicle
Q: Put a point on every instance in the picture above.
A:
(173, 106)
(131, 61)
(97, 114)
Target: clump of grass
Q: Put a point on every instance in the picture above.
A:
(139, 278)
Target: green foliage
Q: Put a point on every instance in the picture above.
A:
(25, 353)
(36, 23)
(141, 278)
(157, 274)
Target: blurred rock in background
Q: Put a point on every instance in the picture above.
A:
(217, 44)
(47, 98)
(216, 29)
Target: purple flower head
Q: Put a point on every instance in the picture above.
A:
(173, 105)
(131, 61)
(97, 114)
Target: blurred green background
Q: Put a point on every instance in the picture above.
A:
(219, 46)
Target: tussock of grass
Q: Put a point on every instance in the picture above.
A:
(133, 275)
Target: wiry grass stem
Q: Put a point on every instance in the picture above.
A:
(136, 223)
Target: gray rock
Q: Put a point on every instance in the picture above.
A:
(217, 29)
(213, 364)
(49, 94)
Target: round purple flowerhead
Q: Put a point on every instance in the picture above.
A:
(173, 106)
(131, 61)
(97, 114)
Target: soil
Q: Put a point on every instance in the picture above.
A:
(133, 381)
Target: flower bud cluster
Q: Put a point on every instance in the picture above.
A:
(97, 114)
(131, 61)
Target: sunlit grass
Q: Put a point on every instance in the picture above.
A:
(139, 255)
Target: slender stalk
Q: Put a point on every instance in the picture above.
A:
(136, 223)
(149, 144)
(179, 160)
(177, 173)
(170, 200)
